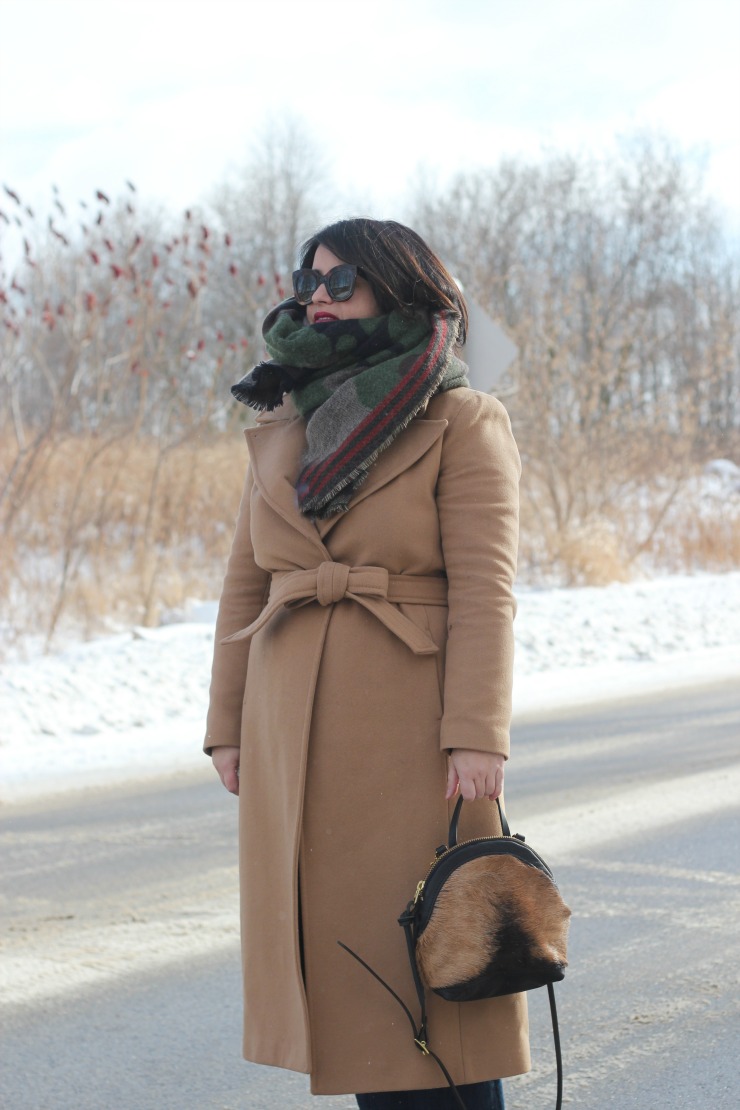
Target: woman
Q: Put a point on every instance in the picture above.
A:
(363, 664)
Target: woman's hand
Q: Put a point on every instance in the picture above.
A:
(478, 774)
(226, 762)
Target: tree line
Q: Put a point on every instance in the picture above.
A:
(615, 277)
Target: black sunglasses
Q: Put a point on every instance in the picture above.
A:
(339, 282)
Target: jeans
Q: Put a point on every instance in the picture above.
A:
(476, 1096)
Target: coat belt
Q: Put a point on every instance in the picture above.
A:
(372, 587)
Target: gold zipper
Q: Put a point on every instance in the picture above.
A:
(461, 843)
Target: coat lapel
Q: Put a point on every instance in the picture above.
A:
(276, 447)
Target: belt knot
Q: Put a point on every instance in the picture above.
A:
(372, 587)
(331, 582)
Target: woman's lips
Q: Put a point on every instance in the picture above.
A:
(319, 317)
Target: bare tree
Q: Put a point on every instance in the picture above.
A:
(122, 331)
(273, 202)
(108, 343)
(614, 279)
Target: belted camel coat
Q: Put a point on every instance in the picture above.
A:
(351, 654)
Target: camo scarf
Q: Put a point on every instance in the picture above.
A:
(357, 383)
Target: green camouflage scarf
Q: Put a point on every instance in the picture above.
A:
(357, 383)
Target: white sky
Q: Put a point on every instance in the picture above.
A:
(170, 93)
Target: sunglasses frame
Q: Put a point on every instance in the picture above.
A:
(325, 279)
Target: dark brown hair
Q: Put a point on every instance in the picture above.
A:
(403, 272)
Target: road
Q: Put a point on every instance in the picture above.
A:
(120, 982)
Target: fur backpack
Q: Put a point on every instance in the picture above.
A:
(487, 920)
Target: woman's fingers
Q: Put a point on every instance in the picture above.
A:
(230, 779)
(498, 785)
(469, 788)
(226, 762)
(480, 774)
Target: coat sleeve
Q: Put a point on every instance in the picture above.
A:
(478, 504)
(243, 597)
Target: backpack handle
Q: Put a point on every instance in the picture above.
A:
(452, 838)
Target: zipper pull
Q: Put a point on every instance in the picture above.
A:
(419, 889)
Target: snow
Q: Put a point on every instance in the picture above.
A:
(131, 706)
(727, 471)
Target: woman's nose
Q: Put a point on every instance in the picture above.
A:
(322, 295)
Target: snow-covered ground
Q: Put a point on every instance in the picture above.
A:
(132, 706)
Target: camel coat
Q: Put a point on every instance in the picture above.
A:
(362, 648)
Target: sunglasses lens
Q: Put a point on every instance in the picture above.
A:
(305, 284)
(341, 282)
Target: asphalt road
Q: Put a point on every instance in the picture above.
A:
(120, 972)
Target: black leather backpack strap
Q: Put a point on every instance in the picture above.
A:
(452, 835)
(420, 1033)
(556, 1039)
(407, 921)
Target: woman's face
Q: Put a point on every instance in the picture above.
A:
(361, 304)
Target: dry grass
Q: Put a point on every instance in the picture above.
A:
(696, 543)
(592, 554)
(686, 525)
(588, 554)
(121, 532)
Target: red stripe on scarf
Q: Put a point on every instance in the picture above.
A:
(315, 478)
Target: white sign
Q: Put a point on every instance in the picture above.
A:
(488, 352)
